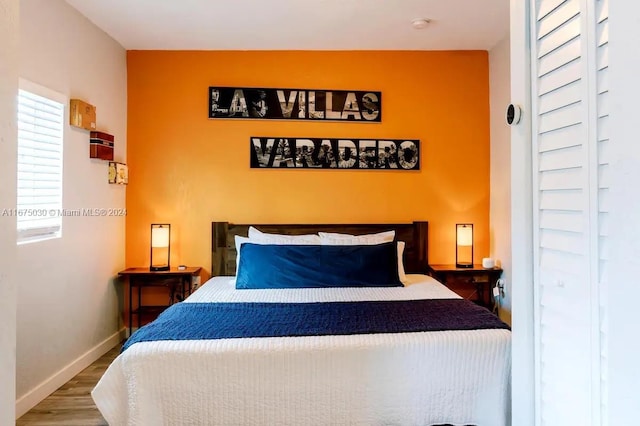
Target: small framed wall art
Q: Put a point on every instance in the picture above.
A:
(118, 173)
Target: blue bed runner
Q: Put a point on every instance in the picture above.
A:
(198, 321)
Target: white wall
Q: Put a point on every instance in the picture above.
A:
(500, 166)
(9, 16)
(68, 309)
(624, 232)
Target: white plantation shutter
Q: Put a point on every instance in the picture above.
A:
(569, 163)
(40, 140)
(604, 153)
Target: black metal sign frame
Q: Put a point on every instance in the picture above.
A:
(332, 153)
(295, 104)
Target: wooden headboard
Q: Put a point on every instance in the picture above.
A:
(415, 235)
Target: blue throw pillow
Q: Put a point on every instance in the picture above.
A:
(311, 266)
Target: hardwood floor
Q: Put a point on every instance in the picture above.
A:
(71, 405)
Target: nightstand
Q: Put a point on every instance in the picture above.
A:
(178, 282)
(475, 283)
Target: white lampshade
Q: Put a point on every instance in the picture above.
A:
(160, 236)
(464, 235)
(464, 245)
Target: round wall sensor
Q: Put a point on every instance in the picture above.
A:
(514, 113)
(420, 23)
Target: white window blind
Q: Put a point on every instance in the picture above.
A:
(40, 140)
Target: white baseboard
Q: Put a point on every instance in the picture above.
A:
(46, 388)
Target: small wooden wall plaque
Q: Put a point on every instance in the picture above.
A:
(101, 146)
(82, 115)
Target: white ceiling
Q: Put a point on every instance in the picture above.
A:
(299, 24)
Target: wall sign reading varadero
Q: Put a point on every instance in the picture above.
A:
(295, 104)
(388, 154)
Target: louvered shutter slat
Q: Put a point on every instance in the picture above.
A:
(560, 159)
(561, 200)
(555, 40)
(561, 221)
(543, 8)
(556, 99)
(603, 129)
(563, 117)
(559, 57)
(561, 179)
(562, 76)
(571, 242)
(561, 16)
(560, 138)
(602, 58)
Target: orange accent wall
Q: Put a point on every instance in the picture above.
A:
(187, 170)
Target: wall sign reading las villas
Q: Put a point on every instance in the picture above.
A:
(295, 104)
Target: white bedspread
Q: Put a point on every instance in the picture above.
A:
(222, 289)
(456, 377)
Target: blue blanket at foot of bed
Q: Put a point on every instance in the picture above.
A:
(198, 321)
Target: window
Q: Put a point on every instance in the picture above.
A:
(40, 136)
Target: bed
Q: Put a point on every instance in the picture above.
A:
(457, 377)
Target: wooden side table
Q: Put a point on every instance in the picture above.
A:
(177, 281)
(480, 279)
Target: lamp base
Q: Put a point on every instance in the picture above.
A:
(159, 268)
(464, 265)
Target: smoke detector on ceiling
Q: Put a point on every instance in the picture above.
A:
(420, 23)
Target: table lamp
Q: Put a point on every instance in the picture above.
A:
(160, 237)
(464, 245)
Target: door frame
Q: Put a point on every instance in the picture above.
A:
(523, 384)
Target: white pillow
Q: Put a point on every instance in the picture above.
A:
(333, 239)
(278, 239)
(239, 241)
(401, 273)
(260, 237)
